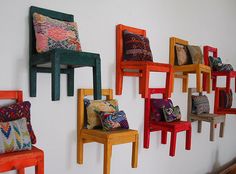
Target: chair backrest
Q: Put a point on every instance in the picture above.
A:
(119, 40)
(46, 12)
(172, 52)
(206, 51)
(12, 95)
(108, 93)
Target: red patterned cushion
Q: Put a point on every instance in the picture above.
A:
(18, 111)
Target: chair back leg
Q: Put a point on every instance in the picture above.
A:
(21, 171)
(135, 152)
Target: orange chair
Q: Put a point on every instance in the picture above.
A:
(22, 159)
(182, 71)
(142, 68)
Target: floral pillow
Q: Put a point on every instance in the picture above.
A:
(52, 33)
(217, 65)
(94, 107)
(18, 111)
(14, 136)
(114, 120)
(171, 114)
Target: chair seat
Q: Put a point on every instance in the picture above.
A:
(224, 73)
(176, 125)
(192, 68)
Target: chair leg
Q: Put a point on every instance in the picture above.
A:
(107, 158)
(214, 82)
(199, 126)
(169, 82)
(204, 82)
(119, 80)
(135, 153)
(33, 81)
(80, 151)
(55, 78)
(97, 84)
(212, 131)
(208, 82)
(185, 83)
(188, 139)
(163, 137)
(235, 84)
(198, 80)
(39, 169)
(146, 138)
(70, 82)
(173, 143)
(21, 171)
(145, 80)
(228, 83)
(222, 129)
(140, 84)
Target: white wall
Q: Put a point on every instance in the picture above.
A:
(200, 22)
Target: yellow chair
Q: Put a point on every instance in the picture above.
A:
(182, 71)
(108, 138)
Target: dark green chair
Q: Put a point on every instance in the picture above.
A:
(58, 58)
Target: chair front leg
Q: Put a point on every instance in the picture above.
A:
(39, 168)
(119, 80)
(163, 137)
(146, 74)
(212, 131)
(228, 83)
(214, 82)
(198, 80)
(135, 152)
(107, 157)
(33, 80)
(185, 82)
(208, 82)
(80, 151)
(222, 129)
(55, 77)
(21, 171)
(169, 81)
(199, 126)
(70, 82)
(97, 81)
(188, 139)
(173, 143)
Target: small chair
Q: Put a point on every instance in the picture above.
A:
(57, 57)
(164, 127)
(139, 69)
(182, 71)
(217, 109)
(108, 138)
(214, 74)
(213, 119)
(22, 159)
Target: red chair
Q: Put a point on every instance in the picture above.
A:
(215, 74)
(22, 159)
(164, 127)
(142, 68)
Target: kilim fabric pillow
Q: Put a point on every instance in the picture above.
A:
(200, 104)
(182, 55)
(115, 120)
(14, 136)
(196, 54)
(18, 111)
(217, 65)
(171, 114)
(52, 33)
(94, 107)
(226, 99)
(136, 47)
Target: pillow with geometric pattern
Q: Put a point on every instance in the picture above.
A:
(217, 64)
(200, 104)
(14, 136)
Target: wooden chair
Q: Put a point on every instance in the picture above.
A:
(139, 69)
(22, 159)
(214, 74)
(182, 71)
(217, 109)
(108, 138)
(164, 127)
(58, 57)
(213, 119)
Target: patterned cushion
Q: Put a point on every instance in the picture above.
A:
(156, 108)
(171, 114)
(94, 107)
(200, 104)
(136, 47)
(196, 54)
(17, 111)
(115, 120)
(182, 55)
(14, 136)
(226, 99)
(217, 65)
(51, 33)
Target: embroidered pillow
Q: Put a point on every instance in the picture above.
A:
(156, 108)
(14, 136)
(182, 55)
(217, 65)
(171, 114)
(115, 120)
(94, 107)
(226, 99)
(200, 104)
(17, 111)
(136, 47)
(195, 54)
(52, 33)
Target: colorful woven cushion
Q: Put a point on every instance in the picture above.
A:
(226, 99)
(182, 55)
(94, 107)
(14, 136)
(115, 120)
(217, 65)
(156, 108)
(200, 104)
(18, 111)
(136, 47)
(195, 54)
(171, 114)
(51, 33)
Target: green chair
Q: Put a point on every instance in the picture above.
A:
(61, 61)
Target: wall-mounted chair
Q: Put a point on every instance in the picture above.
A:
(214, 74)
(164, 127)
(183, 71)
(108, 138)
(21, 159)
(139, 69)
(213, 119)
(58, 58)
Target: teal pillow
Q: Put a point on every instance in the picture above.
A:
(14, 136)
